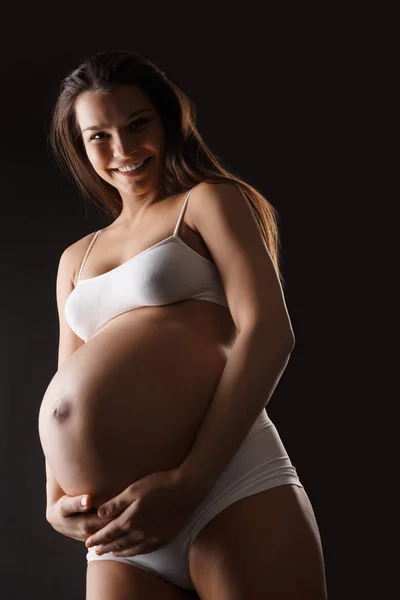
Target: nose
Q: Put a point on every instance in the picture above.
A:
(123, 146)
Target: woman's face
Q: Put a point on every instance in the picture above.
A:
(115, 137)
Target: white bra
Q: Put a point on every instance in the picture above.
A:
(167, 272)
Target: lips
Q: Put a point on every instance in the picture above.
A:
(138, 162)
(139, 172)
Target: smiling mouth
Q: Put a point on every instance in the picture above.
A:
(144, 163)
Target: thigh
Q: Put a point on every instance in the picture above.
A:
(263, 546)
(114, 580)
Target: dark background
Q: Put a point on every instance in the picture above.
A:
(276, 102)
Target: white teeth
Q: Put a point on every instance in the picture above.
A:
(132, 167)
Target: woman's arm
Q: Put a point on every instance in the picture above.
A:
(66, 514)
(53, 490)
(251, 374)
(225, 221)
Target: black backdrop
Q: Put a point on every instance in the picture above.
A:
(274, 102)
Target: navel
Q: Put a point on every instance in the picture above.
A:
(62, 410)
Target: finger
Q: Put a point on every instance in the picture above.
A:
(128, 546)
(70, 505)
(90, 524)
(108, 534)
(119, 543)
(115, 506)
(85, 502)
(145, 547)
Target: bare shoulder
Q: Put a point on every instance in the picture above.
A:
(218, 191)
(227, 224)
(226, 196)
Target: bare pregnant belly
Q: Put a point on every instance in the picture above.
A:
(130, 401)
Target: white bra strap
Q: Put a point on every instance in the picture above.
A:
(87, 253)
(182, 212)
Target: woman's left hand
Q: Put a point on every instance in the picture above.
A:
(148, 514)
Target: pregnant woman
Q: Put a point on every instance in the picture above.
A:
(174, 334)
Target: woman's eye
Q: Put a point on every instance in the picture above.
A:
(142, 121)
(94, 136)
(137, 123)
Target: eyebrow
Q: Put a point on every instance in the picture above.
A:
(104, 125)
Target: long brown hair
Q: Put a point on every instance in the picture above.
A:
(188, 160)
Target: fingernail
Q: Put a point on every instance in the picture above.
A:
(84, 501)
(102, 511)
